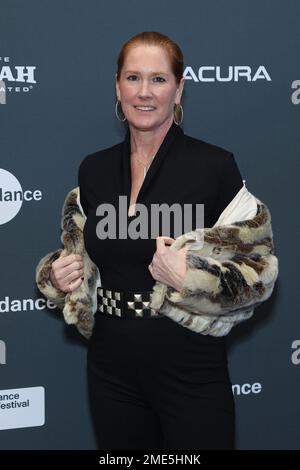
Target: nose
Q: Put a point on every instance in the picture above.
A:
(145, 91)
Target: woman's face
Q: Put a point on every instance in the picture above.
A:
(147, 88)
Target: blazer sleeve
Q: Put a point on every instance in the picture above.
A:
(230, 183)
(82, 183)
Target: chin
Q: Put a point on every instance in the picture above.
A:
(143, 126)
(146, 125)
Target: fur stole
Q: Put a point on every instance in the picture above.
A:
(231, 268)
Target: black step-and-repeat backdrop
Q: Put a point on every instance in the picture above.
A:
(57, 100)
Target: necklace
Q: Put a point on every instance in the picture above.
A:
(146, 167)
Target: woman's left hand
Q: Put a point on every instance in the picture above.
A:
(168, 266)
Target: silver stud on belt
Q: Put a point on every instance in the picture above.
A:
(120, 303)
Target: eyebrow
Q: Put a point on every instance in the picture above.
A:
(152, 73)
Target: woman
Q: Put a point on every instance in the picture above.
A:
(153, 383)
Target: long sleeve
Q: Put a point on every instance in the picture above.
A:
(82, 183)
(230, 183)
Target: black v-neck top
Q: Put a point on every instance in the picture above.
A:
(185, 170)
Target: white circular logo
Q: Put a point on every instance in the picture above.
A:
(11, 196)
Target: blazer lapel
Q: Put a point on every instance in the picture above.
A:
(172, 133)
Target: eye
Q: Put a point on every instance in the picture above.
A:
(159, 79)
(132, 77)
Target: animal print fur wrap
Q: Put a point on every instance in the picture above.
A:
(231, 268)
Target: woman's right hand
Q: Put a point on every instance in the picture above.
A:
(67, 272)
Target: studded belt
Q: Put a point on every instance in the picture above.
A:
(127, 304)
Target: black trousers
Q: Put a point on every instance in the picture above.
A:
(154, 384)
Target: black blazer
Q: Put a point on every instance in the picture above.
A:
(185, 170)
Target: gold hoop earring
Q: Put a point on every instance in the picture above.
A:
(178, 114)
(120, 115)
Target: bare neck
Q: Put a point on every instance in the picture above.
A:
(146, 143)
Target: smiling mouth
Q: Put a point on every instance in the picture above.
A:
(145, 108)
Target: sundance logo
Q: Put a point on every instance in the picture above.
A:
(230, 73)
(22, 407)
(12, 196)
(2, 352)
(23, 305)
(11, 76)
(247, 389)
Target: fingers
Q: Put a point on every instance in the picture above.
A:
(71, 274)
(68, 263)
(161, 243)
(75, 284)
(67, 271)
(70, 283)
(168, 240)
(161, 248)
(65, 259)
(165, 240)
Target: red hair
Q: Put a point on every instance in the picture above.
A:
(152, 38)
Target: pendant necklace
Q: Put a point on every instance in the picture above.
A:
(146, 167)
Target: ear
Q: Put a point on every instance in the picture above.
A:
(179, 91)
(117, 88)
